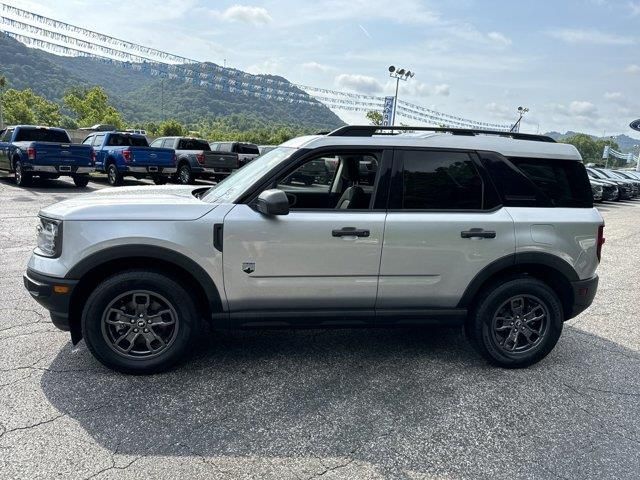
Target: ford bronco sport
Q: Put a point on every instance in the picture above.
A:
(493, 231)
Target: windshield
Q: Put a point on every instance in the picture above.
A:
(235, 184)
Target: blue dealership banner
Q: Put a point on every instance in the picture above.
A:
(387, 112)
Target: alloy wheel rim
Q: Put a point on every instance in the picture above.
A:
(139, 324)
(520, 324)
(112, 174)
(184, 174)
(18, 173)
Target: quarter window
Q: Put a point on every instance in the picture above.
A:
(440, 181)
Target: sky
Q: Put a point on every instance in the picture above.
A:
(574, 63)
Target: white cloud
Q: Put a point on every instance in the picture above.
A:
(582, 108)
(590, 37)
(633, 69)
(317, 67)
(635, 8)
(247, 14)
(359, 83)
(499, 38)
(442, 89)
(613, 96)
(270, 66)
(365, 31)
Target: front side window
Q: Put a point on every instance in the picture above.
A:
(156, 143)
(97, 142)
(6, 135)
(440, 181)
(88, 140)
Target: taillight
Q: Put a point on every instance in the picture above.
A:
(31, 153)
(126, 154)
(93, 156)
(200, 158)
(601, 240)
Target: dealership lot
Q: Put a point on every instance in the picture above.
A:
(404, 403)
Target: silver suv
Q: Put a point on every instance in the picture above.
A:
(490, 230)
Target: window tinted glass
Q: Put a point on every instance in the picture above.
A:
(440, 181)
(514, 187)
(117, 140)
(98, 140)
(248, 149)
(42, 135)
(564, 182)
(193, 144)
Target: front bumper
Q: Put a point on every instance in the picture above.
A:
(52, 293)
(584, 291)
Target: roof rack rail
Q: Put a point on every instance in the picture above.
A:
(371, 130)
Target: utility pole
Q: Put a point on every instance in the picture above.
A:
(521, 112)
(403, 75)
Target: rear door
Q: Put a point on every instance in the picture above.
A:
(444, 225)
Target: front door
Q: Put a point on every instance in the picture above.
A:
(319, 261)
(5, 137)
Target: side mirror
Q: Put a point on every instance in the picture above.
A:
(273, 202)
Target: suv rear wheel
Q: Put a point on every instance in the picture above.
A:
(23, 179)
(114, 177)
(139, 322)
(516, 323)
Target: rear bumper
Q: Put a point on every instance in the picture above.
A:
(584, 291)
(217, 171)
(59, 169)
(152, 170)
(57, 301)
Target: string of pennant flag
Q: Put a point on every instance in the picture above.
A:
(47, 34)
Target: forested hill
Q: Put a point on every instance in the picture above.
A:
(140, 97)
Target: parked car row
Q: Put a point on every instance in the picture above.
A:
(613, 185)
(30, 151)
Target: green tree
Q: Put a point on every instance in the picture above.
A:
(91, 106)
(171, 128)
(590, 148)
(25, 107)
(374, 117)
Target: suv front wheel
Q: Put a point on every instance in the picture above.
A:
(139, 322)
(516, 323)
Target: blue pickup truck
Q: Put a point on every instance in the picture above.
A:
(30, 151)
(122, 154)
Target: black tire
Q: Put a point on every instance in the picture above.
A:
(81, 181)
(164, 294)
(160, 180)
(114, 177)
(184, 176)
(23, 179)
(490, 328)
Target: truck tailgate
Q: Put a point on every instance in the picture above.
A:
(220, 160)
(148, 156)
(63, 154)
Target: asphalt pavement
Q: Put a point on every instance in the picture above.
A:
(408, 403)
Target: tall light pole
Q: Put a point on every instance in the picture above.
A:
(399, 74)
(521, 112)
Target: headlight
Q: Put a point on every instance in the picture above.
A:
(49, 236)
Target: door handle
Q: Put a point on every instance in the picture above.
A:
(350, 232)
(478, 233)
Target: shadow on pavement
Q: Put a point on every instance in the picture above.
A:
(414, 400)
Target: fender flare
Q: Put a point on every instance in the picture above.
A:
(150, 252)
(562, 267)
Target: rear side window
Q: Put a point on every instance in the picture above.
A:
(564, 182)
(248, 149)
(42, 135)
(193, 144)
(117, 140)
(440, 181)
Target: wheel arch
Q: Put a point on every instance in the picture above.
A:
(546, 267)
(92, 270)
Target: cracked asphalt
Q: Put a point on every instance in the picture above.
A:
(408, 404)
